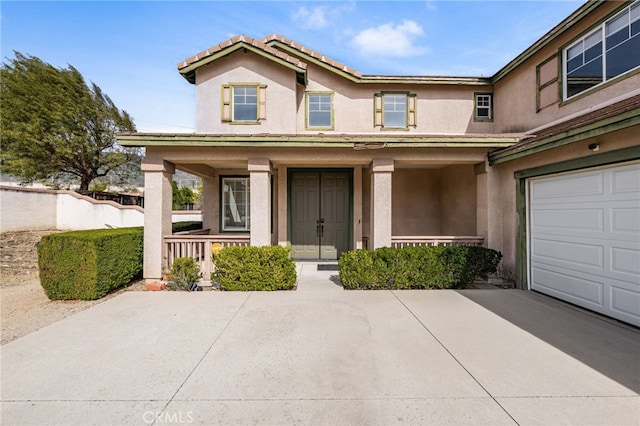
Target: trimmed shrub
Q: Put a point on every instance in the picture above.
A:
(185, 226)
(254, 268)
(87, 265)
(416, 267)
(184, 272)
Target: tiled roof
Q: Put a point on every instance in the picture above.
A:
(312, 53)
(234, 41)
(616, 111)
(276, 46)
(268, 45)
(591, 117)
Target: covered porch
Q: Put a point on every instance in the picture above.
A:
(320, 200)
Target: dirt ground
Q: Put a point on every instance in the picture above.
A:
(24, 308)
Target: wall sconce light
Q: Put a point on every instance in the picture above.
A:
(594, 147)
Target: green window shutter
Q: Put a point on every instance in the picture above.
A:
(412, 108)
(262, 102)
(226, 102)
(377, 110)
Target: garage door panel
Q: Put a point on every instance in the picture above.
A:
(569, 254)
(625, 261)
(626, 179)
(584, 239)
(580, 290)
(569, 186)
(582, 219)
(626, 220)
(626, 302)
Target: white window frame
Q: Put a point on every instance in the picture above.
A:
(233, 204)
(330, 125)
(236, 103)
(489, 108)
(602, 28)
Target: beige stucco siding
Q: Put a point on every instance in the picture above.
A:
(515, 94)
(416, 202)
(438, 201)
(242, 67)
(441, 109)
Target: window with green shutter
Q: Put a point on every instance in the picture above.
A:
(395, 110)
(243, 103)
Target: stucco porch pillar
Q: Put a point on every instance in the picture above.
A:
(210, 201)
(482, 204)
(381, 219)
(157, 215)
(260, 209)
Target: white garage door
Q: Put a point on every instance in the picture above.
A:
(584, 239)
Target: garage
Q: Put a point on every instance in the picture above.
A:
(584, 239)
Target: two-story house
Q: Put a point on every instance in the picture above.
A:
(539, 161)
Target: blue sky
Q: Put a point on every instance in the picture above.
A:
(131, 48)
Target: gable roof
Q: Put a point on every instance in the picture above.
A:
(189, 66)
(296, 56)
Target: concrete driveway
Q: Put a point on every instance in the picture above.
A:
(321, 355)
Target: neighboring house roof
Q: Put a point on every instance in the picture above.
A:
(608, 118)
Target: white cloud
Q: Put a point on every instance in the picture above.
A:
(314, 19)
(390, 40)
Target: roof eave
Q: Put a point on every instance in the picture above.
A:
(611, 124)
(189, 71)
(316, 141)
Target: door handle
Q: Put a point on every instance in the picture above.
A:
(320, 228)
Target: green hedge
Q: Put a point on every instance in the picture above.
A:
(87, 265)
(185, 226)
(416, 267)
(255, 268)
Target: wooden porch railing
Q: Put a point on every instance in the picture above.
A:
(199, 247)
(437, 240)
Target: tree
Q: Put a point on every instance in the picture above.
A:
(181, 196)
(55, 125)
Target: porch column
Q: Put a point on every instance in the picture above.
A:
(357, 207)
(210, 201)
(482, 205)
(157, 215)
(260, 209)
(381, 219)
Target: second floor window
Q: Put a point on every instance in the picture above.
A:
(320, 110)
(484, 107)
(395, 110)
(243, 103)
(607, 52)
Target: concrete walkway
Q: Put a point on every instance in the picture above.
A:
(321, 355)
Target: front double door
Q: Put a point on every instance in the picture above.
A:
(320, 214)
